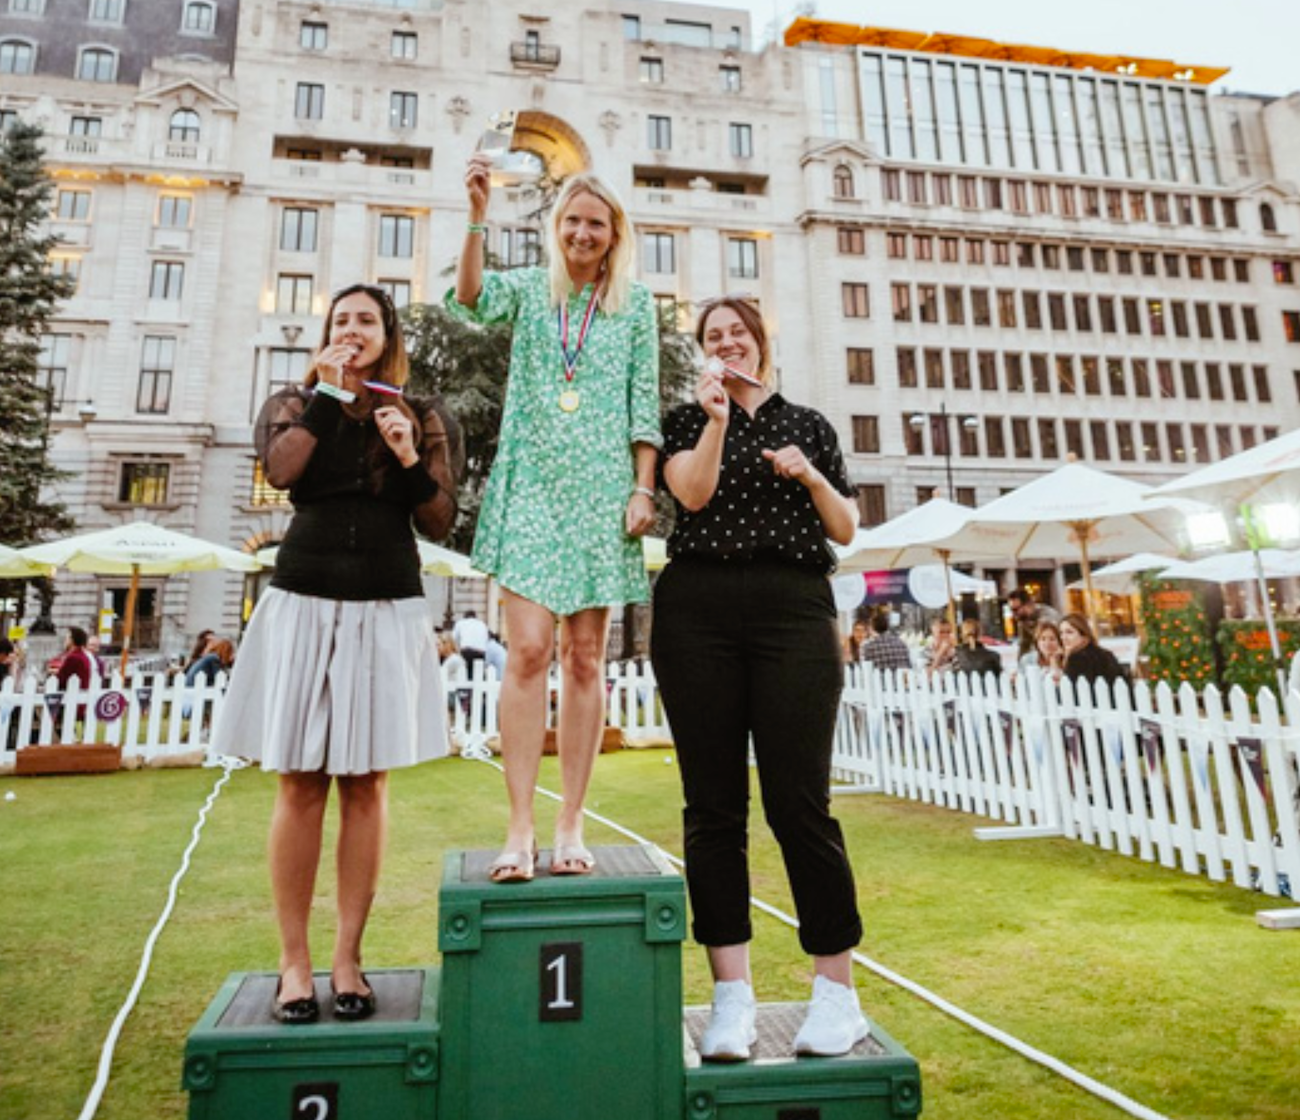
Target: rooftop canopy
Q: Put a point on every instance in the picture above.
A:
(806, 30)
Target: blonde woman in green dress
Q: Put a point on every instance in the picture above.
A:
(571, 489)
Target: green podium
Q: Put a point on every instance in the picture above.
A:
(559, 999)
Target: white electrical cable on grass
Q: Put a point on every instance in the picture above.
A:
(1082, 1080)
(110, 1043)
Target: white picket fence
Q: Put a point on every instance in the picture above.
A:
(1175, 777)
(1180, 777)
(152, 716)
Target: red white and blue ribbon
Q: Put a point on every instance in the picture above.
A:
(562, 316)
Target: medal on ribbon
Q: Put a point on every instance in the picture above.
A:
(569, 399)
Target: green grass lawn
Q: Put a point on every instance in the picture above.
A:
(1152, 981)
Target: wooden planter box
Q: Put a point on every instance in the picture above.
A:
(68, 758)
(612, 740)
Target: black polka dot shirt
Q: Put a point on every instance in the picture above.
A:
(754, 514)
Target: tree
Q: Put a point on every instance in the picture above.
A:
(28, 294)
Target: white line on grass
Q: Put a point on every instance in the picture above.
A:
(110, 1043)
(1082, 1080)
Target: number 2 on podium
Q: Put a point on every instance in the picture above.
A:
(560, 987)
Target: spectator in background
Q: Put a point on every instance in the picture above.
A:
(76, 661)
(854, 641)
(1084, 658)
(942, 648)
(8, 661)
(885, 649)
(92, 651)
(972, 655)
(220, 658)
(471, 637)
(1048, 655)
(495, 656)
(1028, 613)
(201, 644)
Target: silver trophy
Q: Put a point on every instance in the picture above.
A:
(510, 168)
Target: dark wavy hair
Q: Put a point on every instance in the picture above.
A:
(393, 368)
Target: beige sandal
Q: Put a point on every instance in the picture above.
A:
(513, 867)
(572, 859)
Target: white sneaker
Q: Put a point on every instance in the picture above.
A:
(835, 1023)
(730, 1032)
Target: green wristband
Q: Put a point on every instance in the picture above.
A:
(475, 227)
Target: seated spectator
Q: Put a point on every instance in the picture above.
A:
(1048, 655)
(219, 658)
(1084, 658)
(972, 655)
(201, 644)
(885, 650)
(938, 655)
(1028, 613)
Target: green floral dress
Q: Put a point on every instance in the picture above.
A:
(551, 527)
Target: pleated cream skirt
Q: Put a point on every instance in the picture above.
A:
(335, 686)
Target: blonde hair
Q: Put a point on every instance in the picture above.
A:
(620, 259)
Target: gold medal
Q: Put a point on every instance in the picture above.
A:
(569, 400)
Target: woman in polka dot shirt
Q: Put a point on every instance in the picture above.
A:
(745, 646)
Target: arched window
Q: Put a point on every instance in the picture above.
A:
(97, 64)
(842, 181)
(1267, 219)
(184, 126)
(200, 16)
(17, 57)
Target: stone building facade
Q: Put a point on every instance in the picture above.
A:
(975, 265)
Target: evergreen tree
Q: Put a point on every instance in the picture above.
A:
(28, 293)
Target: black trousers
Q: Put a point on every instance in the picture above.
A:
(743, 649)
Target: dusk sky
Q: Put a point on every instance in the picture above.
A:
(1256, 38)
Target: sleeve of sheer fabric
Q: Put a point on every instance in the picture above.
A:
(288, 429)
(430, 483)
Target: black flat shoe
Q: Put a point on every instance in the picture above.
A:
(295, 1012)
(353, 1006)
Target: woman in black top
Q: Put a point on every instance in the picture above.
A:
(338, 676)
(744, 645)
(1084, 658)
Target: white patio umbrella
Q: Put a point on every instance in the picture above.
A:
(1073, 511)
(1120, 578)
(135, 549)
(14, 565)
(1265, 475)
(1236, 567)
(907, 541)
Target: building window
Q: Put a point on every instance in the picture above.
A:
(927, 303)
(740, 140)
(396, 235)
(287, 367)
(404, 45)
(157, 360)
(86, 126)
(97, 64)
(184, 127)
(309, 101)
(856, 302)
(934, 371)
(403, 110)
(861, 366)
(17, 57)
(891, 185)
(995, 445)
(8, 118)
(1021, 441)
(905, 357)
(729, 77)
(293, 294)
(632, 28)
(851, 240)
(298, 229)
(913, 436)
(652, 71)
(144, 484)
(520, 248)
(1267, 219)
(199, 18)
(72, 206)
(742, 258)
(842, 185)
(53, 365)
(399, 291)
(26, 7)
(659, 135)
(866, 435)
(660, 253)
(166, 280)
(174, 211)
(313, 35)
(1290, 325)
(262, 493)
(1263, 391)
(68, 267)
(106, 11)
